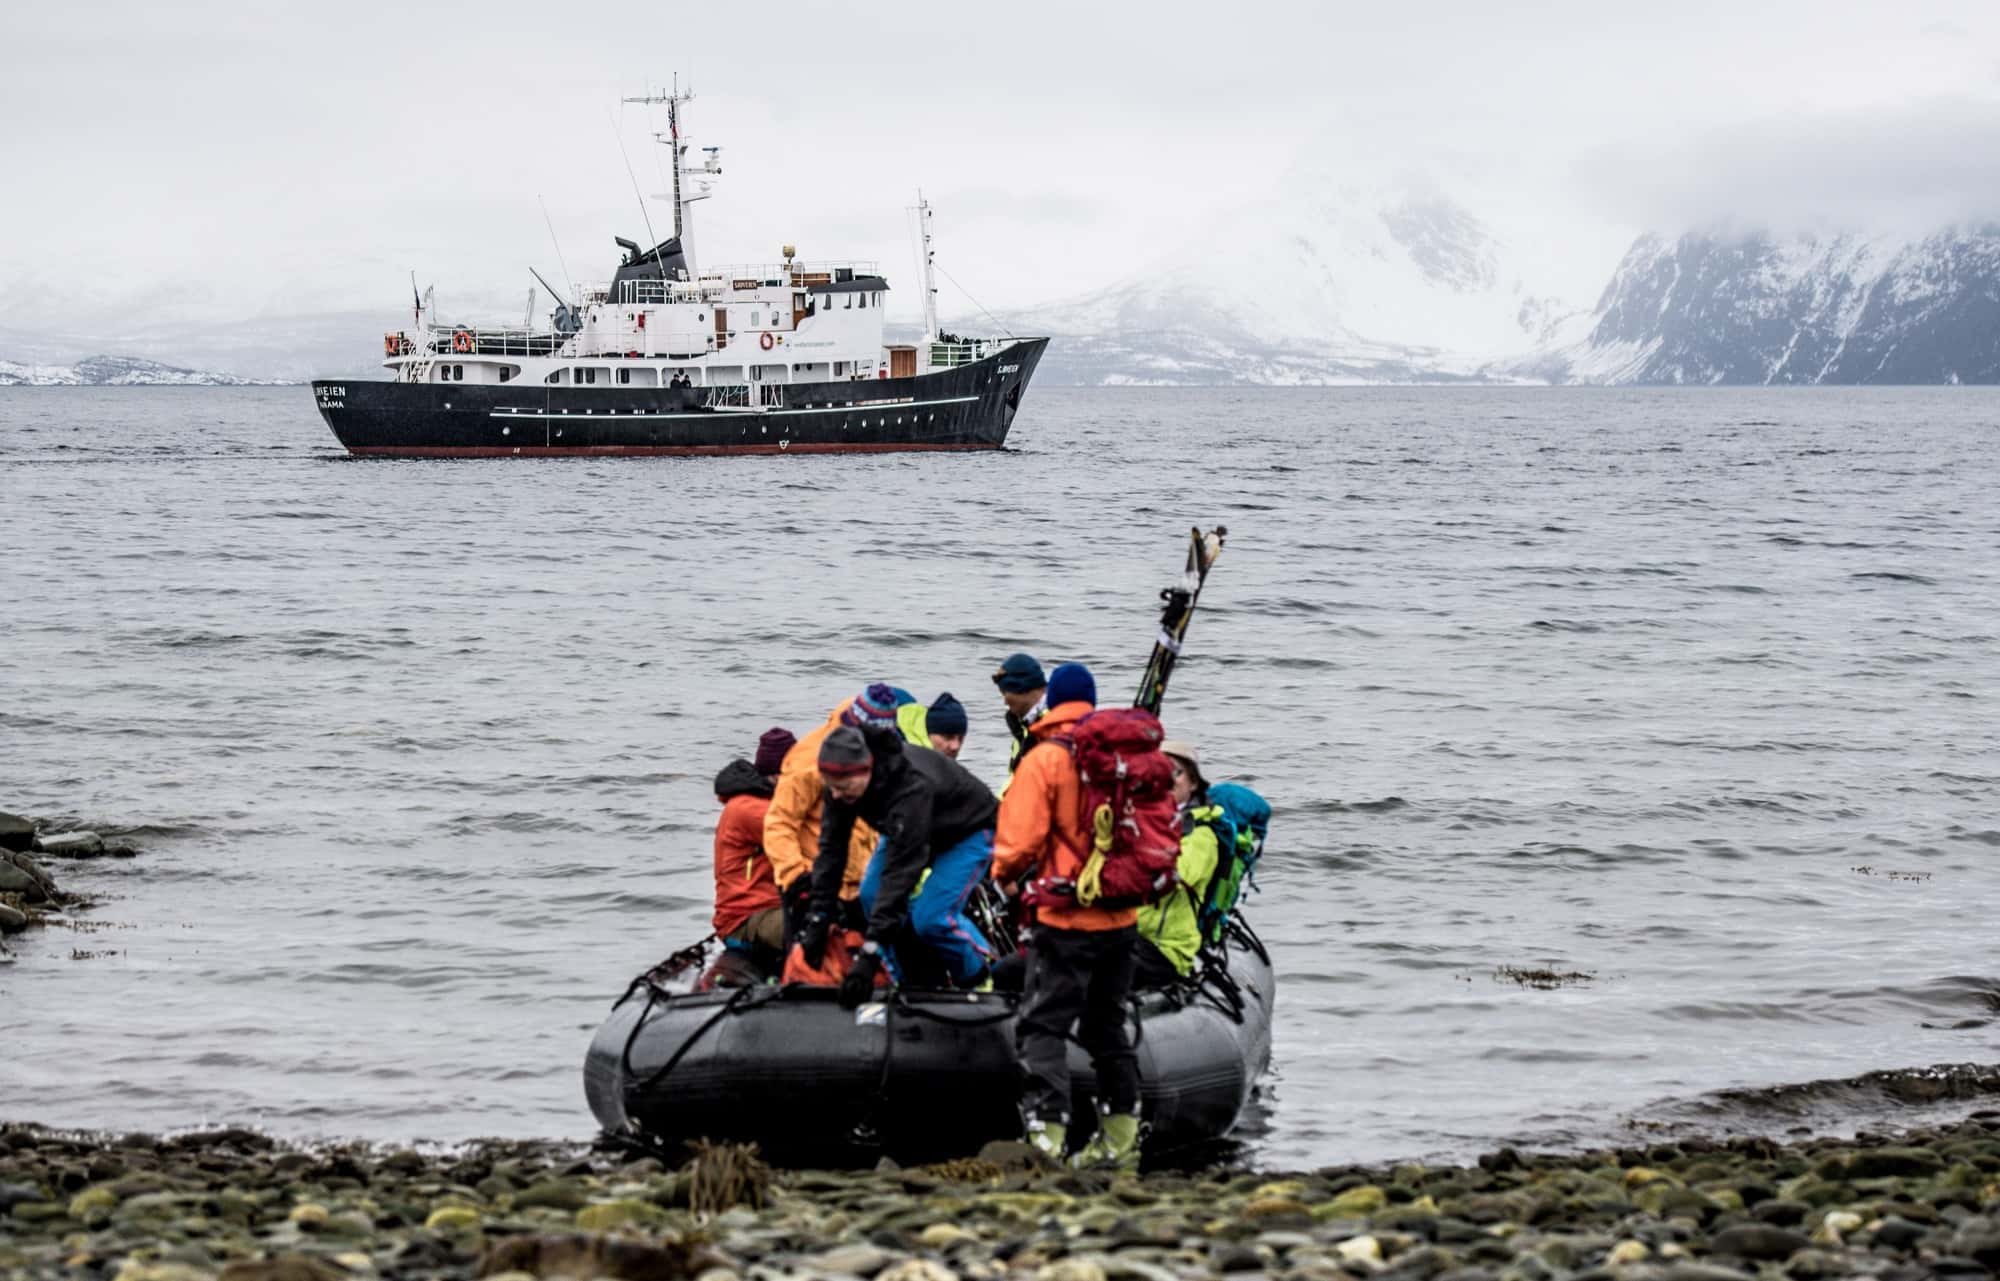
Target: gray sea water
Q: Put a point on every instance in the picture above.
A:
(1691, 692)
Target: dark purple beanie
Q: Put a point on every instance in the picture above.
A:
(771, 750)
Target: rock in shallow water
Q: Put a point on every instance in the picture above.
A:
(71, 844)
(16, 833)
(12, 921)
(13, 880)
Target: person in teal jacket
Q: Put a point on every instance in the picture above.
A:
(1169, 937)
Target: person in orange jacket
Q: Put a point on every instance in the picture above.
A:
(747, 911)
(1080, 959)
(791, 824)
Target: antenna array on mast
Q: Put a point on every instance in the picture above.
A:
(688, 186)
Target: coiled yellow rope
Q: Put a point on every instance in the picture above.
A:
(1090, 882)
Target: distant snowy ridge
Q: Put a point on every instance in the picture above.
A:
(1337, 278)
(117, 371)
(1403, 284)
(1829, 308)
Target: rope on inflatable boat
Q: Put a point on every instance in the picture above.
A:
(737, 1002)
(1214, 983)
(693, 956)
(898, 1001)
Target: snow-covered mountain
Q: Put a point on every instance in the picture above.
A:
(1340, 277)
(1334, 278)
(1800, 309)
(113, 371)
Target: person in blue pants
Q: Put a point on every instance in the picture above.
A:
(934, 816)
(937, 916)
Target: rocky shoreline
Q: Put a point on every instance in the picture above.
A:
(234, 1205)
(29, 894)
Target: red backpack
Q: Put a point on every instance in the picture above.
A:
(1128, 808)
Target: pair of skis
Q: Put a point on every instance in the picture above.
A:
(1177, 608)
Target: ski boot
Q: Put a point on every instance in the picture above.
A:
(1115, 1146)
(1050, 1138)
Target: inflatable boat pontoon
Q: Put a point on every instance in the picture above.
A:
(916, 1075)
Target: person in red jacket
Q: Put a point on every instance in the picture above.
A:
(747, 909)
(1080, 959)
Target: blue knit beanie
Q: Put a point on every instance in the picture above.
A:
(1071, 683)
(872, 708)
(946, 716)
(1019, 673)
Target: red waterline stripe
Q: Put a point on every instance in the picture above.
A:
(629, 451)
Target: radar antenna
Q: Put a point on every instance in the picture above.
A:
(687, 186)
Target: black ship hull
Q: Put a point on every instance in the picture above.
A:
(967, 407)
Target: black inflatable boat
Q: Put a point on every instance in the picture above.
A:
(917, 1076)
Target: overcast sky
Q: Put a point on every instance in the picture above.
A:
(289, 159)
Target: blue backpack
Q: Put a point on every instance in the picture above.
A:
(1239, 834)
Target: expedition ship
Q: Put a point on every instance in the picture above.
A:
(674, 358)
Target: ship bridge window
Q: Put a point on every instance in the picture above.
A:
(555, 377)
(847, 304)
(864, 302)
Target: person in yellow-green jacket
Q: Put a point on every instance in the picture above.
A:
(1169, 936)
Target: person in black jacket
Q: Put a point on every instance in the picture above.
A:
(931, 813)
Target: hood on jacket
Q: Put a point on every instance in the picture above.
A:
(1060, 718)
(740, 778)
(910, 721)
(883, 742)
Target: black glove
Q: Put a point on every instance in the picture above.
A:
(860, 981)
(812, 939)
(797, 901)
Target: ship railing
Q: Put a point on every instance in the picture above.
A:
(950, 354)
(796, 274)
(713, 282)
(656, 292)
(445, 341)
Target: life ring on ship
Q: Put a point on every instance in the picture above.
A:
(391, 345)
(766, 341)
(461, 342)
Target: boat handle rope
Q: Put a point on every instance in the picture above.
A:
(690, 957)
(901, 1002)
(737, 1002)
(1241, 931)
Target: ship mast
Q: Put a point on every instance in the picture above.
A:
(928, 255)
(686, 189)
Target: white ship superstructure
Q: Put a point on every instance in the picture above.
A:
(671, 356)
(662, 321)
